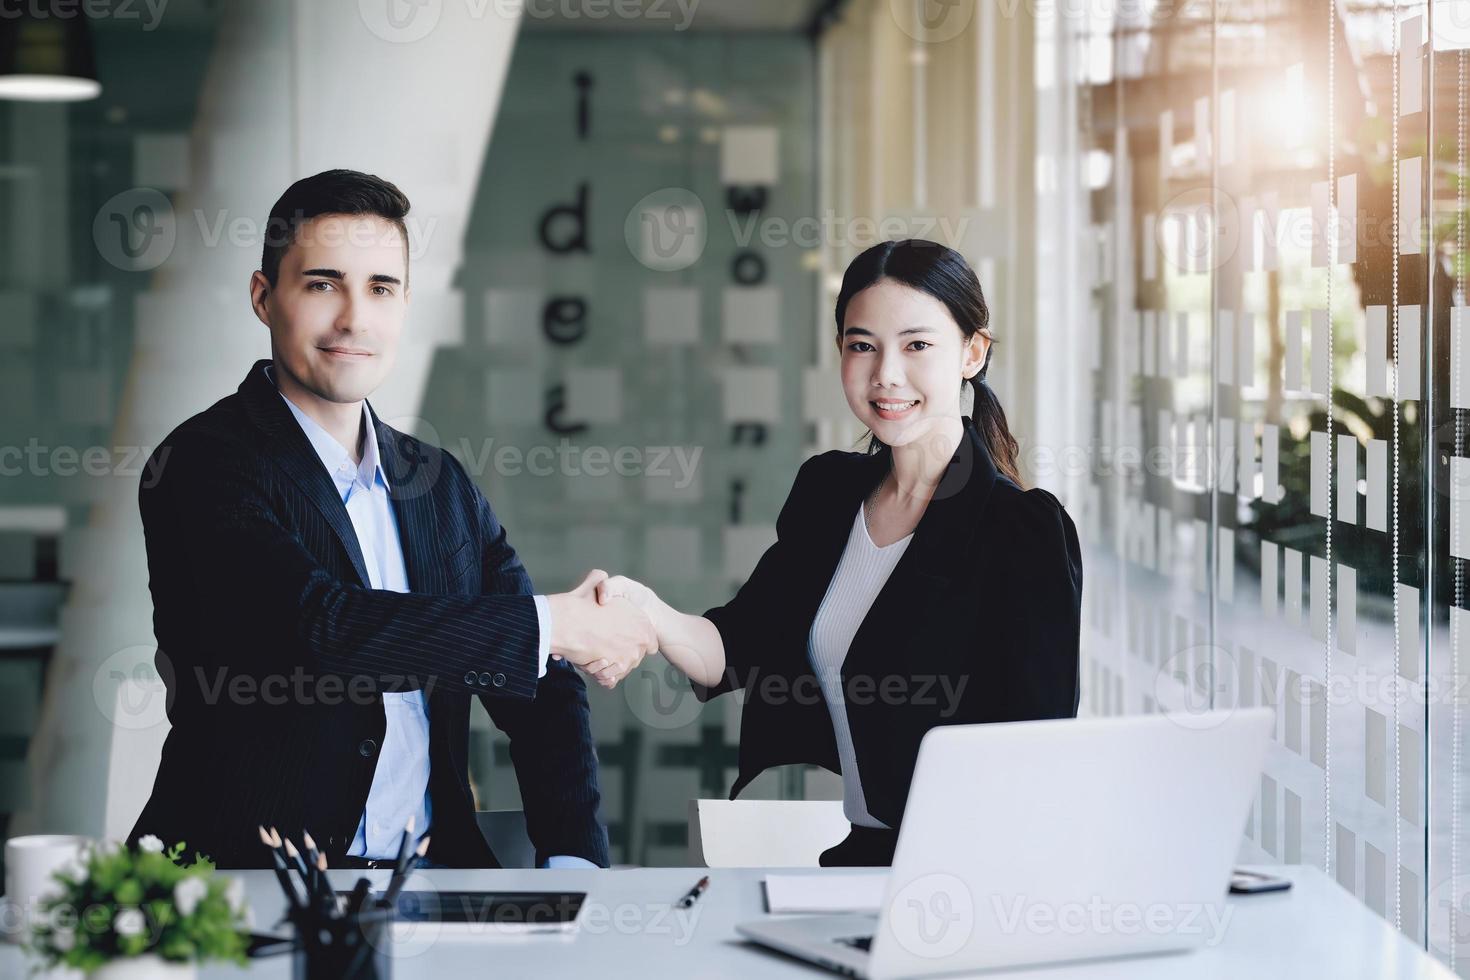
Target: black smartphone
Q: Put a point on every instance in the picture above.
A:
(1244, 882)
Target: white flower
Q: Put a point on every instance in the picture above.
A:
(107, 847)
(188, 893)
(235, 894)
(129, 922)
(150, 843)
(63, 939)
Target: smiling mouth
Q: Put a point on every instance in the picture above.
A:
(893, 409)
(345, 352)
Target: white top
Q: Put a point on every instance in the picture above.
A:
(860, 576)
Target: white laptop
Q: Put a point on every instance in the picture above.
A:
(1045, 841)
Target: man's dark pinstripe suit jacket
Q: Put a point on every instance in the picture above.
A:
(275, 650)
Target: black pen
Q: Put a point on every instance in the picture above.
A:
(692, 895)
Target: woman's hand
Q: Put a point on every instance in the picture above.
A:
(690, 643)
(642, 598)
(635, 592)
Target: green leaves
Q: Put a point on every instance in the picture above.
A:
(126, 901)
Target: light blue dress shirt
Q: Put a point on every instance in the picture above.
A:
(400, 787)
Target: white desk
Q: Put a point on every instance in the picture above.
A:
(1314, 930)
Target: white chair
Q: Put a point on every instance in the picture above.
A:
(763, 833)
(139, 728)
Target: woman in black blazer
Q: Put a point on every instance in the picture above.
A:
(913, 585)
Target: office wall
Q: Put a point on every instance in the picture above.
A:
(633, 389)
(1248, 260)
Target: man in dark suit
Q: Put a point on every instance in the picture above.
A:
(330, 593)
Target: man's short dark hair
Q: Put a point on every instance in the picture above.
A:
(348, 192)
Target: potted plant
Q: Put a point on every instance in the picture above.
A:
(126, 913)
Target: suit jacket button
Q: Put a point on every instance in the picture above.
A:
(485, 679)
(367, 747)
(498, 680)
(470, 678)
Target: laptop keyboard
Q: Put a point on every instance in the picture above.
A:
(863, 943)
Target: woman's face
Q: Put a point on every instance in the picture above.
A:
(903, 358)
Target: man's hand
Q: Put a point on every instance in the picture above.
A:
(640, 595)
(606, 640)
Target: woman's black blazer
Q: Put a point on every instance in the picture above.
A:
(978, 622)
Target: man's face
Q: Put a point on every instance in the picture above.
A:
(338, 305)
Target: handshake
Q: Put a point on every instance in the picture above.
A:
(605, 626)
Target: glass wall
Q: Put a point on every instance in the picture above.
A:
(1242, 220)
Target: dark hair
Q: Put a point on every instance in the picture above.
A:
(329, 192)
(944, 274)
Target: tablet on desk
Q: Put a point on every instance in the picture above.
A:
(471, 913)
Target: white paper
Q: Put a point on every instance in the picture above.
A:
(828, 894)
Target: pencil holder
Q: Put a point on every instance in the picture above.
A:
(355, 946)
